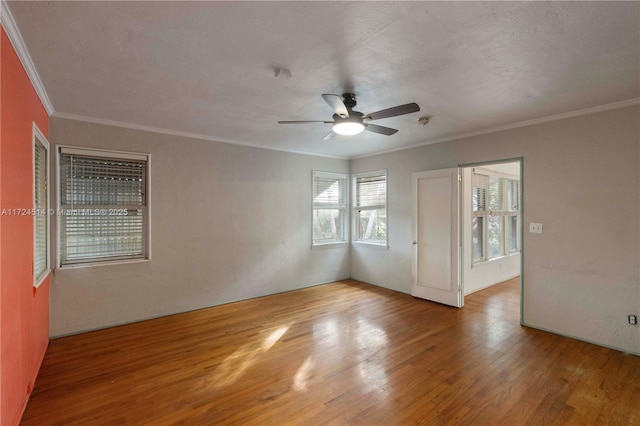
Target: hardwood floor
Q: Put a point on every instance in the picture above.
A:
(340, 353)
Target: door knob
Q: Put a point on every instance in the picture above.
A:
(414, 242)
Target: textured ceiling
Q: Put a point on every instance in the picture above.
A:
(207, 68)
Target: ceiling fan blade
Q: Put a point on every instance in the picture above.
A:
(329, 136)
(380, 129)
(304, 121)
(335, 102)
(393, 111)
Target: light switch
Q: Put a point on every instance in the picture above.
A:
(535, 228)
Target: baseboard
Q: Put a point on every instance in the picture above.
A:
(615, 348)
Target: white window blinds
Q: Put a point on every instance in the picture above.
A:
(329, 190)
(494, 195)
(480, 185)
(371, 191)
(103, 203)
(370, 207)
(41, 210)
(329, 207)
(513, 195)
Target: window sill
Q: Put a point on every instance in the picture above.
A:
(378, 246)
(43, 277)
(103, 263)
(334, 244)
(495, 259)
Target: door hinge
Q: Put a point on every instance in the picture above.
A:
(459, 177)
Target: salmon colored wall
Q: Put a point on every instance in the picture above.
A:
(24, 310)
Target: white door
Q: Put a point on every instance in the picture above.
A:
(436, 239)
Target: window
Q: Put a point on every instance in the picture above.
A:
(103, 206)
(329, 208)
(512, 241)
(41, 207)
(370, 207)
(480, 184)
(495, 216)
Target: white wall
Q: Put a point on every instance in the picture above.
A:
(582, 181)
(484, 274)
(228, 222)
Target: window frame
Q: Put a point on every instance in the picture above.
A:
(40, 276)
(146, 221)
(344, 208)
(517, 215)
(355, 208)
(504, 214)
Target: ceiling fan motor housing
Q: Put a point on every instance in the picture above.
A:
(355, 116)
(349, 100)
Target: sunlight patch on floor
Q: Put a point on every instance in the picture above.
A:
(235, 365)
(304, 373)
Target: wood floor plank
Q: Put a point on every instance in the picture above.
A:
(340, 353)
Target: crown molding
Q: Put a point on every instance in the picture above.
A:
(17, 42)
(179, 133)
(562, 116)
(577, 113)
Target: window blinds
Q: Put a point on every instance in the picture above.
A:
(480, 185)
(329, 191)
(371, 191)
(494, 195)
(103, 202)
(41, 210)
(495, 205)
(513, 195)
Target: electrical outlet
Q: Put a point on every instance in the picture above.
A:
(535, 228)
(633, 320)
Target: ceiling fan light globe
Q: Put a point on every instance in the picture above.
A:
(348, 128)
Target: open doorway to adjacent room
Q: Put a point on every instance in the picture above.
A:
(491, 233)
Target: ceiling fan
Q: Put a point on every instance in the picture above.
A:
(348, 122)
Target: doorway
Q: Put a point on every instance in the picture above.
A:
(491, 218)
(484, 225)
